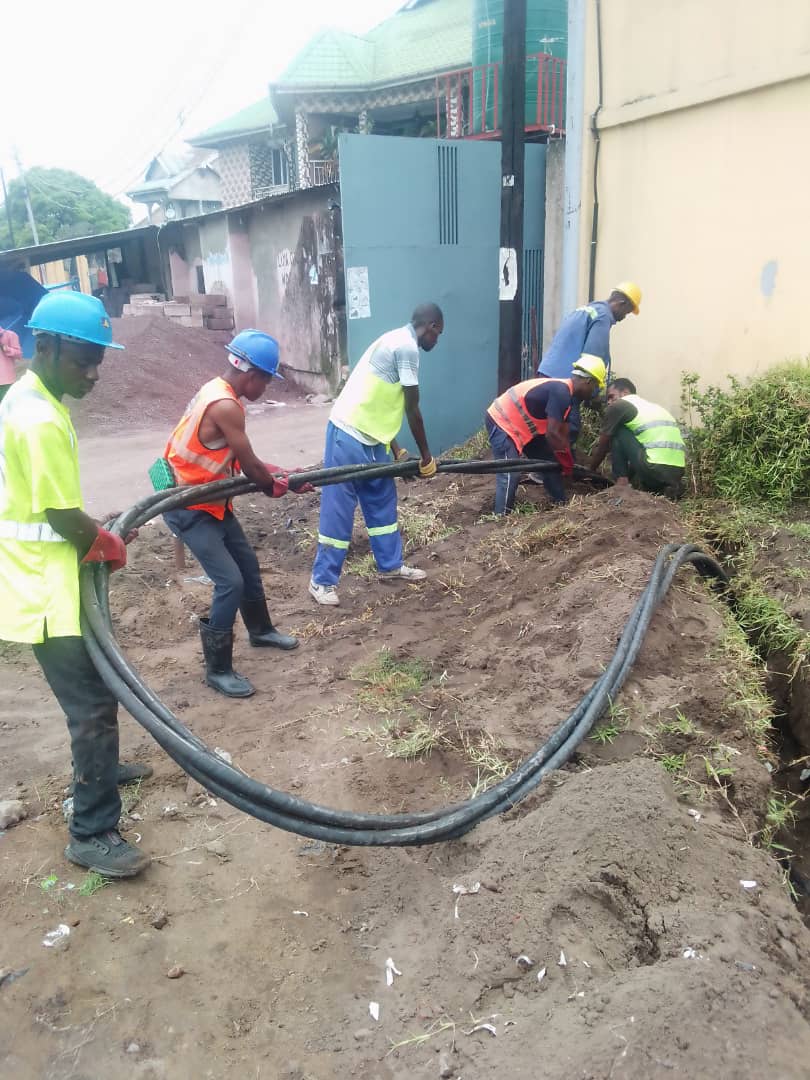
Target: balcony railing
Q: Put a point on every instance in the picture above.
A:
(323, 172)
(469, 101)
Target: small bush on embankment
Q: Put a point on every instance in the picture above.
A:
(750, 442)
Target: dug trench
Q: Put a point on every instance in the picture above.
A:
(626, 920)
(765, 554)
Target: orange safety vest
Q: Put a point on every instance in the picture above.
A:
(194, 463)
(509, 412)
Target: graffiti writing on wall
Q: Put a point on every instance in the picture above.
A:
(284, 261)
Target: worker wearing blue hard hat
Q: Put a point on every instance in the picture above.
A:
(44, 533)
(210, 443)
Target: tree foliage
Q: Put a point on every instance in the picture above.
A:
(65, 205)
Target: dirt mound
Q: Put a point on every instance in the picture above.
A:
(406, 697)
(150, 383)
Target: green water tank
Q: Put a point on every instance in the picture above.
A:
(546, 32)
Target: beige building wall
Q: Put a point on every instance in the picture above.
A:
(704, 184)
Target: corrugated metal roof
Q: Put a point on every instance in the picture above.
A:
(79, 245)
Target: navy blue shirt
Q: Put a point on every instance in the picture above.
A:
(551, 401)
(586, 330)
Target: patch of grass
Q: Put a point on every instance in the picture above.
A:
(742, 672)
(554, 534)
(413, 741)
(523, 508)
(681, 725)
(799, 529)
(130, 796)
(675, 764)
(797, 573)
(606, 733)
(92, 884)
(422, 529)
(474, 449)
(485, 753)
(362, 566)
(387, 680)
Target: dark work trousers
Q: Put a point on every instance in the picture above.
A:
(506, 483)
(629, 458)
(92, 720)
(222, 550)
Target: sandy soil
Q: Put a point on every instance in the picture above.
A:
(672, 967)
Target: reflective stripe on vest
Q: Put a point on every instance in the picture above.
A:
(30, 532)
(511, 415)
(658, 432)
(191, 461)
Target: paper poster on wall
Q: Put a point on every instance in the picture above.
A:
(357, 293)
(508, 280)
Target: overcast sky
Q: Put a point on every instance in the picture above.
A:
(101, 87)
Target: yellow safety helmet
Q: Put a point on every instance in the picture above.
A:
(632, 292)
(591, 367)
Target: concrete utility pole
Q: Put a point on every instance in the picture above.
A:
(27, 198)
(8, 210)
(510, 264)
(574, 135)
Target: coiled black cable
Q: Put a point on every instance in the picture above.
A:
(323, 823)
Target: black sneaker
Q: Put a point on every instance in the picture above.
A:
(108, 854)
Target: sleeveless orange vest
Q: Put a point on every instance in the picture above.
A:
(191, 461)
(509, 412)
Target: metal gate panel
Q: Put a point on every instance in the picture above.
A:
(421, 222)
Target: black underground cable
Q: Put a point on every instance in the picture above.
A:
(323, 823)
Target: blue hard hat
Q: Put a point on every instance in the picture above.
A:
(258, 349)
(73, 315)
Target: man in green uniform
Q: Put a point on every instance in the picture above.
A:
(44, 533)
(644, 441)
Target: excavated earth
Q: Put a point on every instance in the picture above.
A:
(620, 880)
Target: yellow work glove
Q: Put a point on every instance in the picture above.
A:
(402, 455)
(429, 469)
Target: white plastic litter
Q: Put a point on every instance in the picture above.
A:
(482, 1027)
(226, 757)
(53, 937)
(524, 962)
(391, 970)
(696, 814)
(304, 913)
(804, 775)
(462, 890)
(562, 961)
(748, 884)
(691, 954)
(374, 1010)
(541, 974)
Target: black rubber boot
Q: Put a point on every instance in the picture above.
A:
(218, 652)
(261, 630)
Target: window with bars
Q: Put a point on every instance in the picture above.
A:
(268, 168)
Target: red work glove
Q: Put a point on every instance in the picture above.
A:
(108, 548)
(280, 484)
(302, 489)
(566, 460)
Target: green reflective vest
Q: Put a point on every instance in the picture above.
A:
(658, 432)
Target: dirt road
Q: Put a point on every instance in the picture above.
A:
(619, 924)
(114, 467)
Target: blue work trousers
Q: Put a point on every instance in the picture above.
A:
(378, 502)
(506, 484)
(223, 551)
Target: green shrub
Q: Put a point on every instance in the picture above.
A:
(751, 442)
